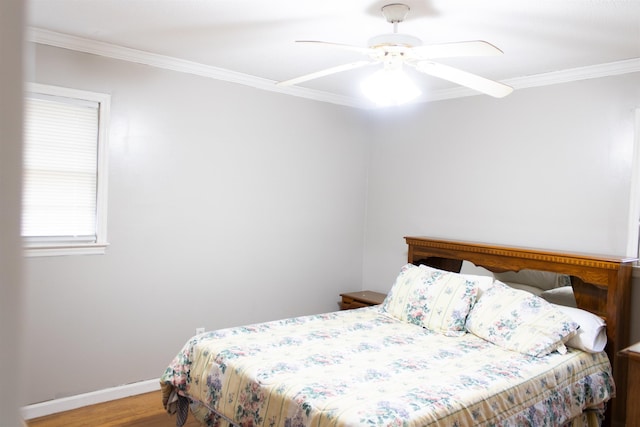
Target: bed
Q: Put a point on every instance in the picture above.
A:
(444, 349)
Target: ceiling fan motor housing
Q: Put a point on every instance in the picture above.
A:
(394, 39)
(395, 12)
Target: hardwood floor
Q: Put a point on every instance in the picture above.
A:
(144, 410)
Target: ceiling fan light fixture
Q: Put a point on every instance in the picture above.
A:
(389, 86)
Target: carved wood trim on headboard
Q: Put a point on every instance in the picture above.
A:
(601, 284)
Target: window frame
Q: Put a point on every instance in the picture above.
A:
(61, 246)
(633, 233)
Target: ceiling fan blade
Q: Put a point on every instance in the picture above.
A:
(325, 72)
(357, 49)
(455, 49)
(489, 87)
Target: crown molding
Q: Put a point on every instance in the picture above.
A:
(66, 41)
(79, 44)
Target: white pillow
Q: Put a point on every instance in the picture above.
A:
(560, 296)
(543, 280)
(531, 289)
(470, 269)
(592, 333)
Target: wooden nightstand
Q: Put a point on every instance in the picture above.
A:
(360, 299)
(632, 355)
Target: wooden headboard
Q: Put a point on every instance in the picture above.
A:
(601, 285)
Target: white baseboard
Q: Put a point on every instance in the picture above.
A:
(73, 402)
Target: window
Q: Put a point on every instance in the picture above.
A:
(65, 171)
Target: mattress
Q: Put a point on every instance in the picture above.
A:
(364, 368)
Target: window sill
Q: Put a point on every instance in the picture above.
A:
(65, 250)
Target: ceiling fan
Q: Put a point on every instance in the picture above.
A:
(396, 50)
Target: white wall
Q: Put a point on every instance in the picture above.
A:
(227, 205)
(546, 167)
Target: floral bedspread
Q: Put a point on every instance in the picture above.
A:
(362, 368)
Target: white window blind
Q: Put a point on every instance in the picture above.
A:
(64, 176)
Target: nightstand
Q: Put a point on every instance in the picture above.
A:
(632, 356)
(360, 299)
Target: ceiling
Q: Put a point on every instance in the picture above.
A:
(256, 38)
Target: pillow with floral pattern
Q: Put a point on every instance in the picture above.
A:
(434, 299)
(520, 321)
